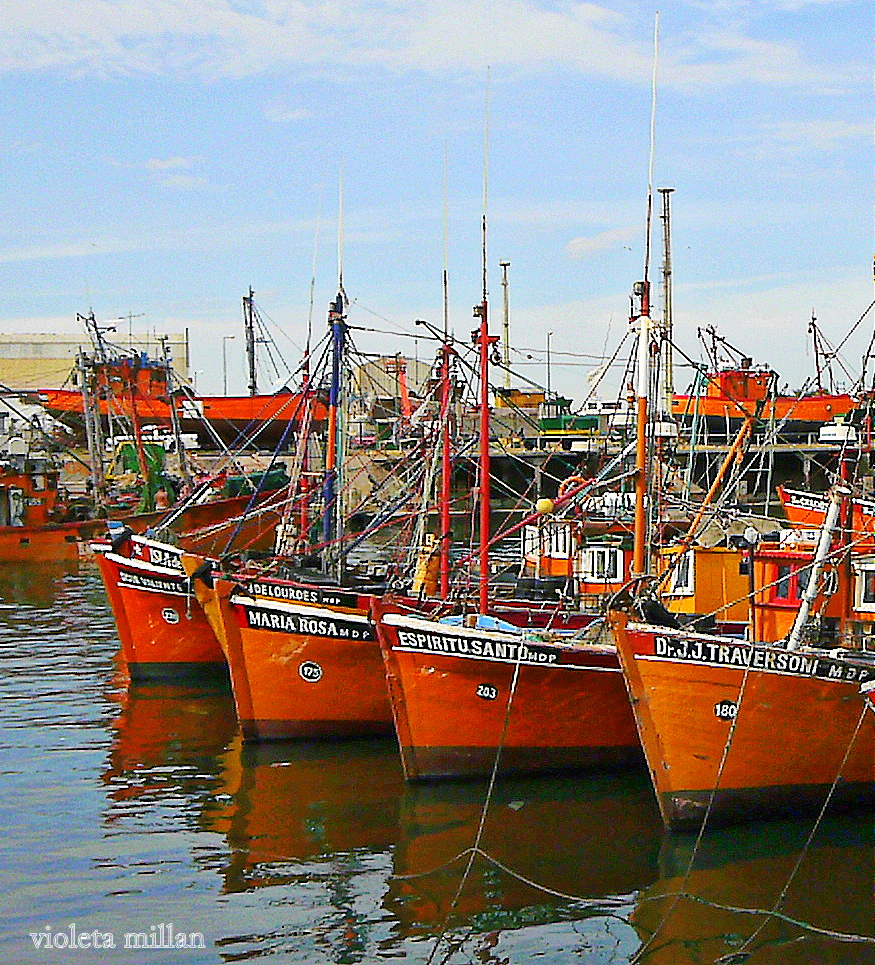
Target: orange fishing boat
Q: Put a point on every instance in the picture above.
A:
(164, 633)
(135, 388)
(303, 659)
(35, 522)
(477, 692)
(466, 696)
(807, 511)
(737, 730)
(162, 629)
(733, 729)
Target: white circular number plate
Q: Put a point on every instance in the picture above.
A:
(309, 671)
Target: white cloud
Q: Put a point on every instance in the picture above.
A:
(220, 38)
(183, 182)
(171, 172)
(61, 250)
(817, 135)
(613, 238)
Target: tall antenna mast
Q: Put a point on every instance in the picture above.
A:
(446, 533)
(485, 180)
(646, 305)
(446, 274)
(668, 369)
(340, 231)
(313, 283)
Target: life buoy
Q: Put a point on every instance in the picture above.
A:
(573, 482)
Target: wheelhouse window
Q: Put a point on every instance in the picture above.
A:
(782, 584)
(602, 564)
(554, 541)
(682, 575)
(865, 587)
(790, 581)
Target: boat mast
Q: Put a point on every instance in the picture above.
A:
(446, 473)
(484, 341)
(249, 335)
(836, 497)
(130, 388)
(184, 470)
(446, 534)
(306, 389)
(667, 308)
(93, 435)
(337, 325)
(504, 265)
(641, 320)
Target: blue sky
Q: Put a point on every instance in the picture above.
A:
(160, 157)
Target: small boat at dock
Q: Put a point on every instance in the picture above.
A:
(163, 631)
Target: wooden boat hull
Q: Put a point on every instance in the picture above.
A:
(164, 634)
(304, 661)
(49, 543)
(208, 527)
(451, 686)
(726, 406)
(266, 419)
(796, 715)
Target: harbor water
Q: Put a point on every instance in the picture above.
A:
(137, 828)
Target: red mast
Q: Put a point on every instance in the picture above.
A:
(639, 563)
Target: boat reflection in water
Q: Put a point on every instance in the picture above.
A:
(373, 857)
(35, 584)
(168, 741)
(748, 868)
(594, 838)
(321, 852)
(290, 802)
(309, 829)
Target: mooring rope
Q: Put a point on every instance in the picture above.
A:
(475, 848)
